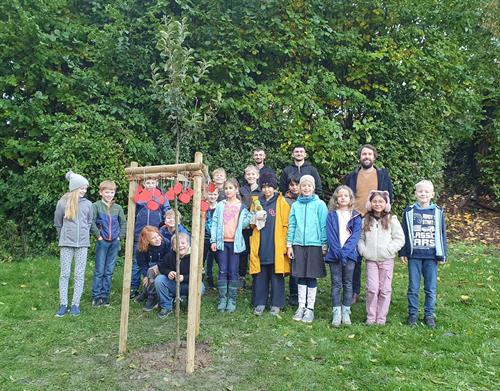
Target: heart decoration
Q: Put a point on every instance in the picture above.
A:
(189, 191)
(177, 188)
(211, 187)
(170, 194)
(184, 198)
(204, 206)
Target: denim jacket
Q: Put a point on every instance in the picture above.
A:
(217, 230)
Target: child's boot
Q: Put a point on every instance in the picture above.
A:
(346, 318)
(301, 292)
(311, 300)
(222, 287)
(337, 316)
(232, 293)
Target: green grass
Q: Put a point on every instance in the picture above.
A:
(41, 352)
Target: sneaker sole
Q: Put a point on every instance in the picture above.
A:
(150, 309)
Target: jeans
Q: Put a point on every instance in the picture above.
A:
(228, 263)
(243, 266)
(106, 254)
(165, 288)
(209, 257)
(427, 268)
(264, 280)
(341, 275)
(136, 271)
(356, 277)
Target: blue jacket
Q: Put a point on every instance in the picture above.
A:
(349, 252)
(167, 236)
(144, 216)
(439, 231)
(383, 180)
(307, 222)
(217, 230)
(108, 222)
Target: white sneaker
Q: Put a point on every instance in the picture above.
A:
(308, 316)
(337, 316)
(274, 311)
(346, 312)
(299, 314)
(259, 310)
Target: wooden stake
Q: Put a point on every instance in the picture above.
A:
(127, 270)
(193, 269)
(200, 270)
(170, 168)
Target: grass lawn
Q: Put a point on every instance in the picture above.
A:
(41, 352)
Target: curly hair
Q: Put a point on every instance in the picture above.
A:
(332, 204)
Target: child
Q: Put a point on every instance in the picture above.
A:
(306, 244)
(165, 282)
(168, 230)
(343, 229)
(290, 197)
(219, 177)
(229, 219)
(72, 220)
(151, 249)
(109, 226)
(151, 205)
(249, 193)
(381, 239)
(268, 258)
(208, 253)
(425, 246)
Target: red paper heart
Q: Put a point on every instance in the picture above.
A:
(189, 191)
(211, 187)
(152, 205)
(170, 194)
(184, 198)
(204, 206)
(177, 188)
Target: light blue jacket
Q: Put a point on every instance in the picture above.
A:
(217, 229)
(307, 222)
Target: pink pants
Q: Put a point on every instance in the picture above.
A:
(378, 290)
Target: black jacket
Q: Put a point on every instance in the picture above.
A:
(167, 265)
(292, 170)
(383, 180)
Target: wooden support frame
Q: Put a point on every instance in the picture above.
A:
(196, 171)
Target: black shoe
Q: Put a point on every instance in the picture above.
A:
(96, 303)
(412, 320)
(210, 283)
(430, 322)
(141, 297)
(134, 293)
(151, 304)
(105, 301)
(164, 312)
(293, 301)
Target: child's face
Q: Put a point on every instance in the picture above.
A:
(378, 204)
(155, 239)
(150, 184)
(251, 177)
(230, 190)
(107, 195)
(267, 191)
(170, 220)
(82, 191)
(343, 199)
(424, 194)
(293, 187)
(219, 177)
(306, 189)
(183, 245)
(213, 196)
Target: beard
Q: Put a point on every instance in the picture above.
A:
(367, 163)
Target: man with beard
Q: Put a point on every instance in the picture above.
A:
(259, 158)
(362, 180)
(299, 167)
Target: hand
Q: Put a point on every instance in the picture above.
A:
(404, 260)
(99, 238)
(181, 278)
(324, 249)
(145, 281)
(171, 275)
(213, 247)
(289, 252)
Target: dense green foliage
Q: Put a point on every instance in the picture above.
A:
(414, 78)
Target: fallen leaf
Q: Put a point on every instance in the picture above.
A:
(351, 336)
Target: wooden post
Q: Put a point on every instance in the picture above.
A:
(127, 269)
(200, 270)
(193, 269)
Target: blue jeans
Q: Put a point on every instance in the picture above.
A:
(341, 276)
(228, 263)
(136, 271)
(106, 254)
(427, 268)
(209, 261)
(165, 288)
(356, 277)
(264, 280)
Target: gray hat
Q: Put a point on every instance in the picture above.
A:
(75, 180)
(308, 178)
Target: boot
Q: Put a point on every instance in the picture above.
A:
(222, 287)
(346, 319)
(232, 293)
(337, 316)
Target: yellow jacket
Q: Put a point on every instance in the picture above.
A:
(281, 261)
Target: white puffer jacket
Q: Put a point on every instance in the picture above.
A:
(380, 244)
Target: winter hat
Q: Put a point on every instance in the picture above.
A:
(307, 178)
(75, 180)
(384, 194)
(268, 179)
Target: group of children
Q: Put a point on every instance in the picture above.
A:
(271, 234)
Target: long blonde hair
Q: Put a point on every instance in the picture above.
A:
(72, 199)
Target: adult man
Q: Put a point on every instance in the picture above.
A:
(299, 167)
(259, 157)
(362, 180)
